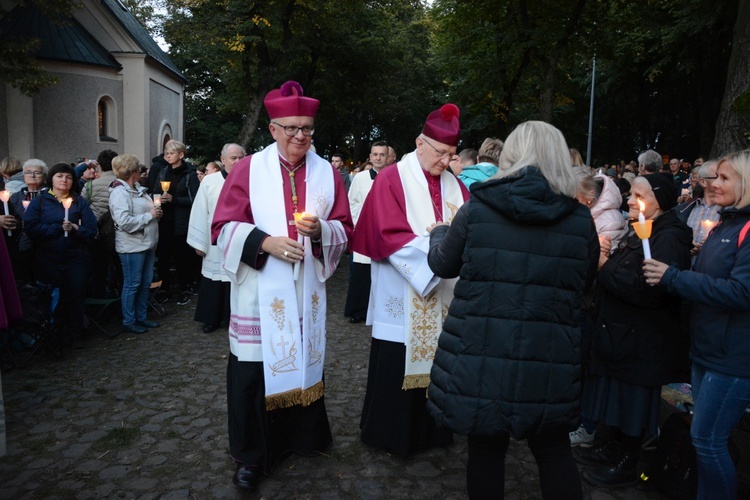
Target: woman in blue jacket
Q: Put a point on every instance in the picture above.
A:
(719, 289)
(61, 255)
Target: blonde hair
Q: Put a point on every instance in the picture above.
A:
(10, 166)
(125, 165)
(175, 145)
(575, 157)
(490, 150)
(539, 144)
(739, 161)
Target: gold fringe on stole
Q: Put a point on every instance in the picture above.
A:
(295, 397)
(416, 382)
(312, 394)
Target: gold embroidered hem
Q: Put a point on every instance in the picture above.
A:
(295, 397)
(416, 382)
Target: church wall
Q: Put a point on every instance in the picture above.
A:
(66, 119)
(165, 107)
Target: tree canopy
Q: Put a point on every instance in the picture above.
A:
(669, 72)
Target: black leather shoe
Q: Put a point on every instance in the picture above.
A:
(247, 477)
(208, 328)
(620, 475)
(356, 320)
(147, 324)
(607, 453)
(134, 328)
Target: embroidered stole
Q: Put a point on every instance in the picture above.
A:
(293, 346)
(425, 315)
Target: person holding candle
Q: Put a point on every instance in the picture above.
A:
(280, 210)
(631, 352)
(61, 261)
(137, 233)
(718, 287)
(178, 184)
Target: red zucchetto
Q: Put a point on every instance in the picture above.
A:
(442, 125)
(289, 100)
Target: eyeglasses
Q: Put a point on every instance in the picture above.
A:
(291, 130)
(34, 173)
(442, 154)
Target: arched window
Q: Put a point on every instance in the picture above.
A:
(106, 119)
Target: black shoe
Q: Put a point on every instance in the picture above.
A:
(184, 299)
(147, 324)
(207, 328)
(134, 328)
(356, 320)
(606, 453)
(247, 477)
(620, 475)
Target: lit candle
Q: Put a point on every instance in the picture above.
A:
(66, 203)
(643, 230)
(25, 204)
(298, 216)
(706, 226)
(157, 200)
(5, 196)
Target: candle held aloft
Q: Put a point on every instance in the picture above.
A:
(643, 230)
(67, 202)
(5, 196)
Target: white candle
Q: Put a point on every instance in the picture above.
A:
(644, 241)
(300, 239)
(706, 226)
(66, 203)
(157, 200)
(5, 196)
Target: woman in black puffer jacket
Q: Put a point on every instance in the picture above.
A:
(632, 346)
(508, 362)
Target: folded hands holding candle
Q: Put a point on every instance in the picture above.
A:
(308, 225)
(283, 248)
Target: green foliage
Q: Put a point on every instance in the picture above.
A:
(18, 64)
(147, 13)
(367, 62)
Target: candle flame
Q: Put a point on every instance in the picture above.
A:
(4, 195)
(641, 205)
(67, 202)
(165, 185)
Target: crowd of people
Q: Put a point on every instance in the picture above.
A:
(508, 293)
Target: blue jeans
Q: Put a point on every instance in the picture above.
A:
(720, 402)
(137, 272)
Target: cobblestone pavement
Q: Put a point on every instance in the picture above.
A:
(144, 416)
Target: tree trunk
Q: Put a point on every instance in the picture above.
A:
(733, 125)
(250, 125)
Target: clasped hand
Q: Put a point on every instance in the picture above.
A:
(67, 225)
(7, 222)
(309, 226)
(283, 248)
(653, 270)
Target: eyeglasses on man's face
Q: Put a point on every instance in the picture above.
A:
(34, 173)
(442, 154)
(291, 130)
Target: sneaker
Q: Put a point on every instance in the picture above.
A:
(581, 437)
(184, 299)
